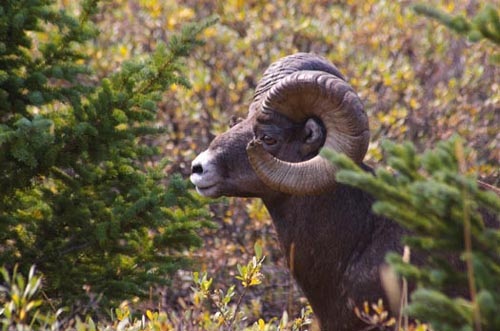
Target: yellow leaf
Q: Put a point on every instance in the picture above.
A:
(387, 80)
(186, 14)
(121, 127)
(255, 281)
(262, 324)
(414, 103)
(209, 32)
(123, 50)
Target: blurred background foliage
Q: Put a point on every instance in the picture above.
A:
(420, 82)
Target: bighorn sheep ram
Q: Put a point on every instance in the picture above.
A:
(301, 104)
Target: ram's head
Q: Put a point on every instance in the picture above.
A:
(301, 105)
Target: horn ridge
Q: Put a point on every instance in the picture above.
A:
(301, 95)
(306, 93)
(290, 64)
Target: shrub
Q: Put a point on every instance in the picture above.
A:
(83, 198)
(212, 309)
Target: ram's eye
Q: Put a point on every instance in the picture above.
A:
(268, 140)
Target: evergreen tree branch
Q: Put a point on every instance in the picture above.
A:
(443, 207)
(485, 25)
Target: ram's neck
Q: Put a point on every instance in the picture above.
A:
(331, 224)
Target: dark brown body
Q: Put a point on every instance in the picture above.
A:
(337, 253)
(338, 243)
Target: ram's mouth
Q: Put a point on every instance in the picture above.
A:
(208, 191)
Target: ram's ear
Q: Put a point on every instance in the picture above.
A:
(314, 136)
(313, 132)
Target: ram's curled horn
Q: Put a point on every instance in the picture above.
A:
(305, 94)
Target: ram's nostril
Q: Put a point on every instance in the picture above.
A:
(197, 169)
